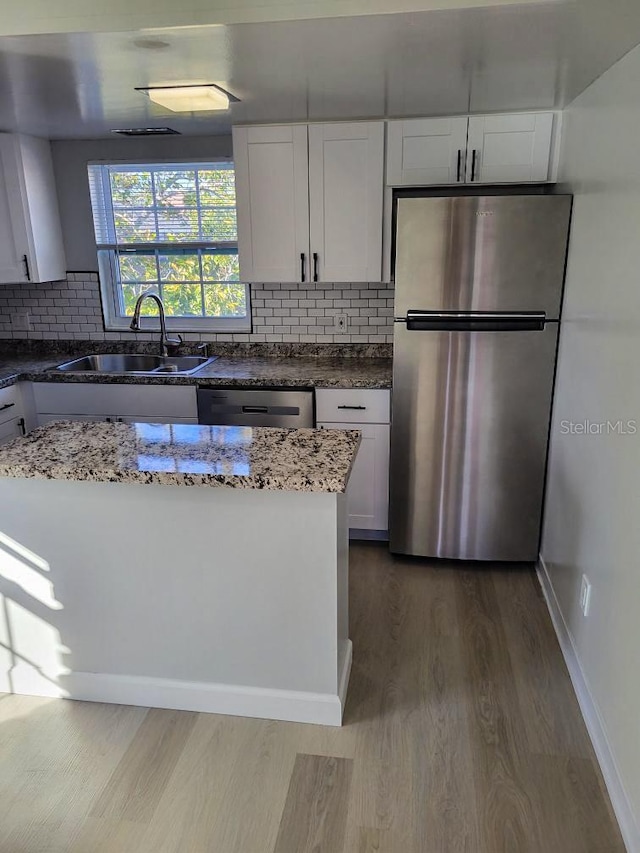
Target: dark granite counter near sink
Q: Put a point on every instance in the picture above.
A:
(24, 367)
(281, 370)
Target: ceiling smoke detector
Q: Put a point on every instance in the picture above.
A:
(208, 97)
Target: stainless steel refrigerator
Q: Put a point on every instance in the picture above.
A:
(478, 293)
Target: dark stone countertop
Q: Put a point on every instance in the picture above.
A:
(283, 371)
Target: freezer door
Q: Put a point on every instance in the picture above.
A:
(481, 253)
(469, 431)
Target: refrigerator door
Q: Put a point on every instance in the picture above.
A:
(481, 253)
(469, 441)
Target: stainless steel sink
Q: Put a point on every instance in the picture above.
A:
(181, 365)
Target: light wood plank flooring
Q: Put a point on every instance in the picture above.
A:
(462, 733)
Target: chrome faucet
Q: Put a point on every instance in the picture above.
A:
(165, 340)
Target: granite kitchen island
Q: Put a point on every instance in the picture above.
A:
(179, 566)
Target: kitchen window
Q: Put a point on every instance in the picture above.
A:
(169, 229)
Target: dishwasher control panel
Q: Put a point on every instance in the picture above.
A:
(275, 407)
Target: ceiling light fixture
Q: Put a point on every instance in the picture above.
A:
(190, 99)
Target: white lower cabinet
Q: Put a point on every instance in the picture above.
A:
(367, 493)
(368, 489)
(11, 414)
(94, 402)
(11, 429)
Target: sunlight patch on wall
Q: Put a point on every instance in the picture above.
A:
(18, 565)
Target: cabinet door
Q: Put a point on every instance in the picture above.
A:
(11, 429)
(47, 260)
(10, 403)
(13, 237)
(353, 405)
(31, 247)
(509, 148)
(346, 180)
(426, 151)
(135, 401)
(368, 489)
(272, 197)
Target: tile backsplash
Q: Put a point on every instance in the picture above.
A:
(282, 313)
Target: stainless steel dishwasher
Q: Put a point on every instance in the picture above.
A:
(277, 407)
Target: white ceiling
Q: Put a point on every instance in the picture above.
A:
(29, 17)
(507, 57)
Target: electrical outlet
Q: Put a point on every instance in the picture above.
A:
(585, 595)
(341, 323)
(21, 322)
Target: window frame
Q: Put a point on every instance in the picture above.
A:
(107, 257)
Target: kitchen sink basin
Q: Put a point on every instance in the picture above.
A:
(156, 365)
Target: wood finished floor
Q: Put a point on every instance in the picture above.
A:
(462, 733)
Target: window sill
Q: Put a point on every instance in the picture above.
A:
(204, 325)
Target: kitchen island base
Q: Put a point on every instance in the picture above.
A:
(223, 600)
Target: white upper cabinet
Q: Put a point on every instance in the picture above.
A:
(346, 162)
(513, 148)
(509, 148)
(309, 201)
(272, 175)
(426, 151)
(31, 247)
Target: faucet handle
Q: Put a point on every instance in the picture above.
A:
(171, 343)
(204, 347)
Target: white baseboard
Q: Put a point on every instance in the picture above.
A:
(593, 721)
(291, 705)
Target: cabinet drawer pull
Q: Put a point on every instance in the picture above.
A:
(6, 406)
(474, 162)
(459, 165)
(357, 408)
(302, 267)
(315, 266)
(27, 271)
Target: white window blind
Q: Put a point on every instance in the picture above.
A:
(170, 229)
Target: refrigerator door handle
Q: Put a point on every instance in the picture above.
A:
(473, 321)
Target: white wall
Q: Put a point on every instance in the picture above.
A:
(592, 521)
